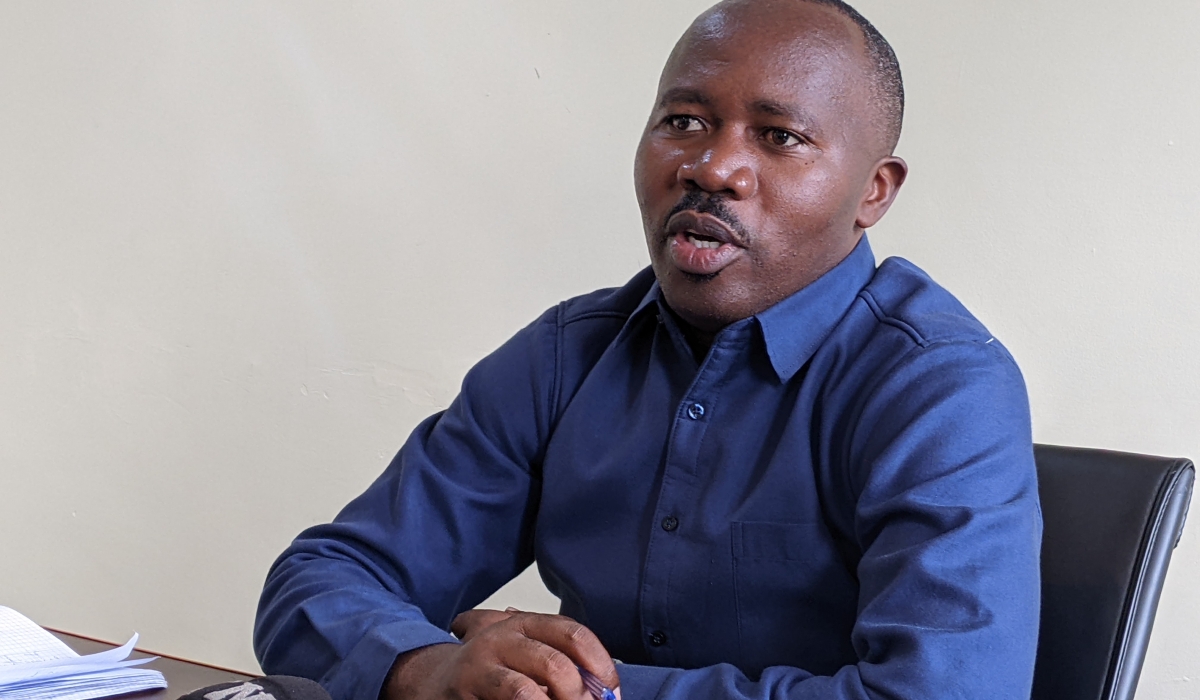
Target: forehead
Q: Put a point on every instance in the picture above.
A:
(789, 52)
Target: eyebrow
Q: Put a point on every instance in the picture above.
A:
(685, 96)
(789, 112)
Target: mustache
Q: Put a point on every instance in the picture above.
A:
(711, 204)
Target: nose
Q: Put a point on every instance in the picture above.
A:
(721, 167)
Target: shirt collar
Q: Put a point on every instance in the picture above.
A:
(652, 296)
(794, 328)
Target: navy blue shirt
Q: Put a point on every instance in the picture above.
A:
(838, 501)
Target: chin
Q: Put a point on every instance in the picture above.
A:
(702, 306)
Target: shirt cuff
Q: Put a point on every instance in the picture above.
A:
(361, 674)
(642, 682)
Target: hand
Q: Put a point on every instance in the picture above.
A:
(507, 655)
(472, 622)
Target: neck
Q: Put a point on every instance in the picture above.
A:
(698, 340)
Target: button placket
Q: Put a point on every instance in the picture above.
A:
(693, 415)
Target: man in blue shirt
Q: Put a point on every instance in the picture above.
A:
(763, 468)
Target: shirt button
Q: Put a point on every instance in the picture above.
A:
(669, 523)
(657, 639)
(696, 411)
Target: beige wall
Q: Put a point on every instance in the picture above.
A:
(246, 246)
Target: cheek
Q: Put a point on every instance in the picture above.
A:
(801, 217)
(655, 167)
(648, 164)
(640, 180)
(807, 203)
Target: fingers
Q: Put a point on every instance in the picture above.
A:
(512, 655)
(547, 666)
(469, 671)
(472, 622)
(572, 639)
(511, 685)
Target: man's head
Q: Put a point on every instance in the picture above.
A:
(768, 152)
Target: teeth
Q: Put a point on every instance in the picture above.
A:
(700, 243)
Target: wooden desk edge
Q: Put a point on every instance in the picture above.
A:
(182, 676)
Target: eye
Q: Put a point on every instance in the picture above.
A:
(683, 123)
(782, 138)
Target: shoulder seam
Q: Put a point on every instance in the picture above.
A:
(884, 318)
(556, 376)
(990, 344)
(586, 315)
(913, 333)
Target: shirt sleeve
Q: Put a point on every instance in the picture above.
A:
(948, 522)
(448, 522)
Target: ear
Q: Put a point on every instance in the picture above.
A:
(886, 179)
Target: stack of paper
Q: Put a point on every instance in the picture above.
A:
(35, 665)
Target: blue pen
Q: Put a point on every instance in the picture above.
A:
(594, 686)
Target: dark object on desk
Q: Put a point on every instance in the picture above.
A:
(265, 688)
(1112, 520)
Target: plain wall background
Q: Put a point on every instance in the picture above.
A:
(246, 246)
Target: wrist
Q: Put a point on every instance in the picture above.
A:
(413, 670)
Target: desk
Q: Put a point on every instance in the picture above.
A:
(182, 676)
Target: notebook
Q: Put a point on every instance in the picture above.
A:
(36, 665)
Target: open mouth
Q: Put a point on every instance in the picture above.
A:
(701, 244)
(702, 241)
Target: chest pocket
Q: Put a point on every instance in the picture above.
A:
(796, 601)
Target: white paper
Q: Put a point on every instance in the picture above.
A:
(22, 641)
(36, 665)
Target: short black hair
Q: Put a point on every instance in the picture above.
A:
(887, 86)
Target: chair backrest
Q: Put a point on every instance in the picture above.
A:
(1111, 522)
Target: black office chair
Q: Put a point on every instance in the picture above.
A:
(1112, 520)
